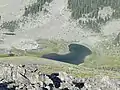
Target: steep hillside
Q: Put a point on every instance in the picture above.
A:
(26, 24)
(40, 25)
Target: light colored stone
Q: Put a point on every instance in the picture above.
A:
(25, 44)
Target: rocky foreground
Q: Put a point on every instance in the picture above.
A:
(29, 77)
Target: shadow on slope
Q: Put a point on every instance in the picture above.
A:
(4, 86)
(76, 55)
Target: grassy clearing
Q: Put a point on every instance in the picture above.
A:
(50, 66)
(96, 61)
(47, 46)
(4, 55)
(94, 65)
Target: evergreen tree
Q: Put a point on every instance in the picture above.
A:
(80, 8)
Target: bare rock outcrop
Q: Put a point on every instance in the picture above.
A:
(29, 77)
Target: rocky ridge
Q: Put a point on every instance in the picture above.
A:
(29, 77)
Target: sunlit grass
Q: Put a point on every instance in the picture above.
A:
(48, 46)
(4, 55)
(49, 66)
(102, 61)
(94, 65)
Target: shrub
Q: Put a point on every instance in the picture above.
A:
(10, 25)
